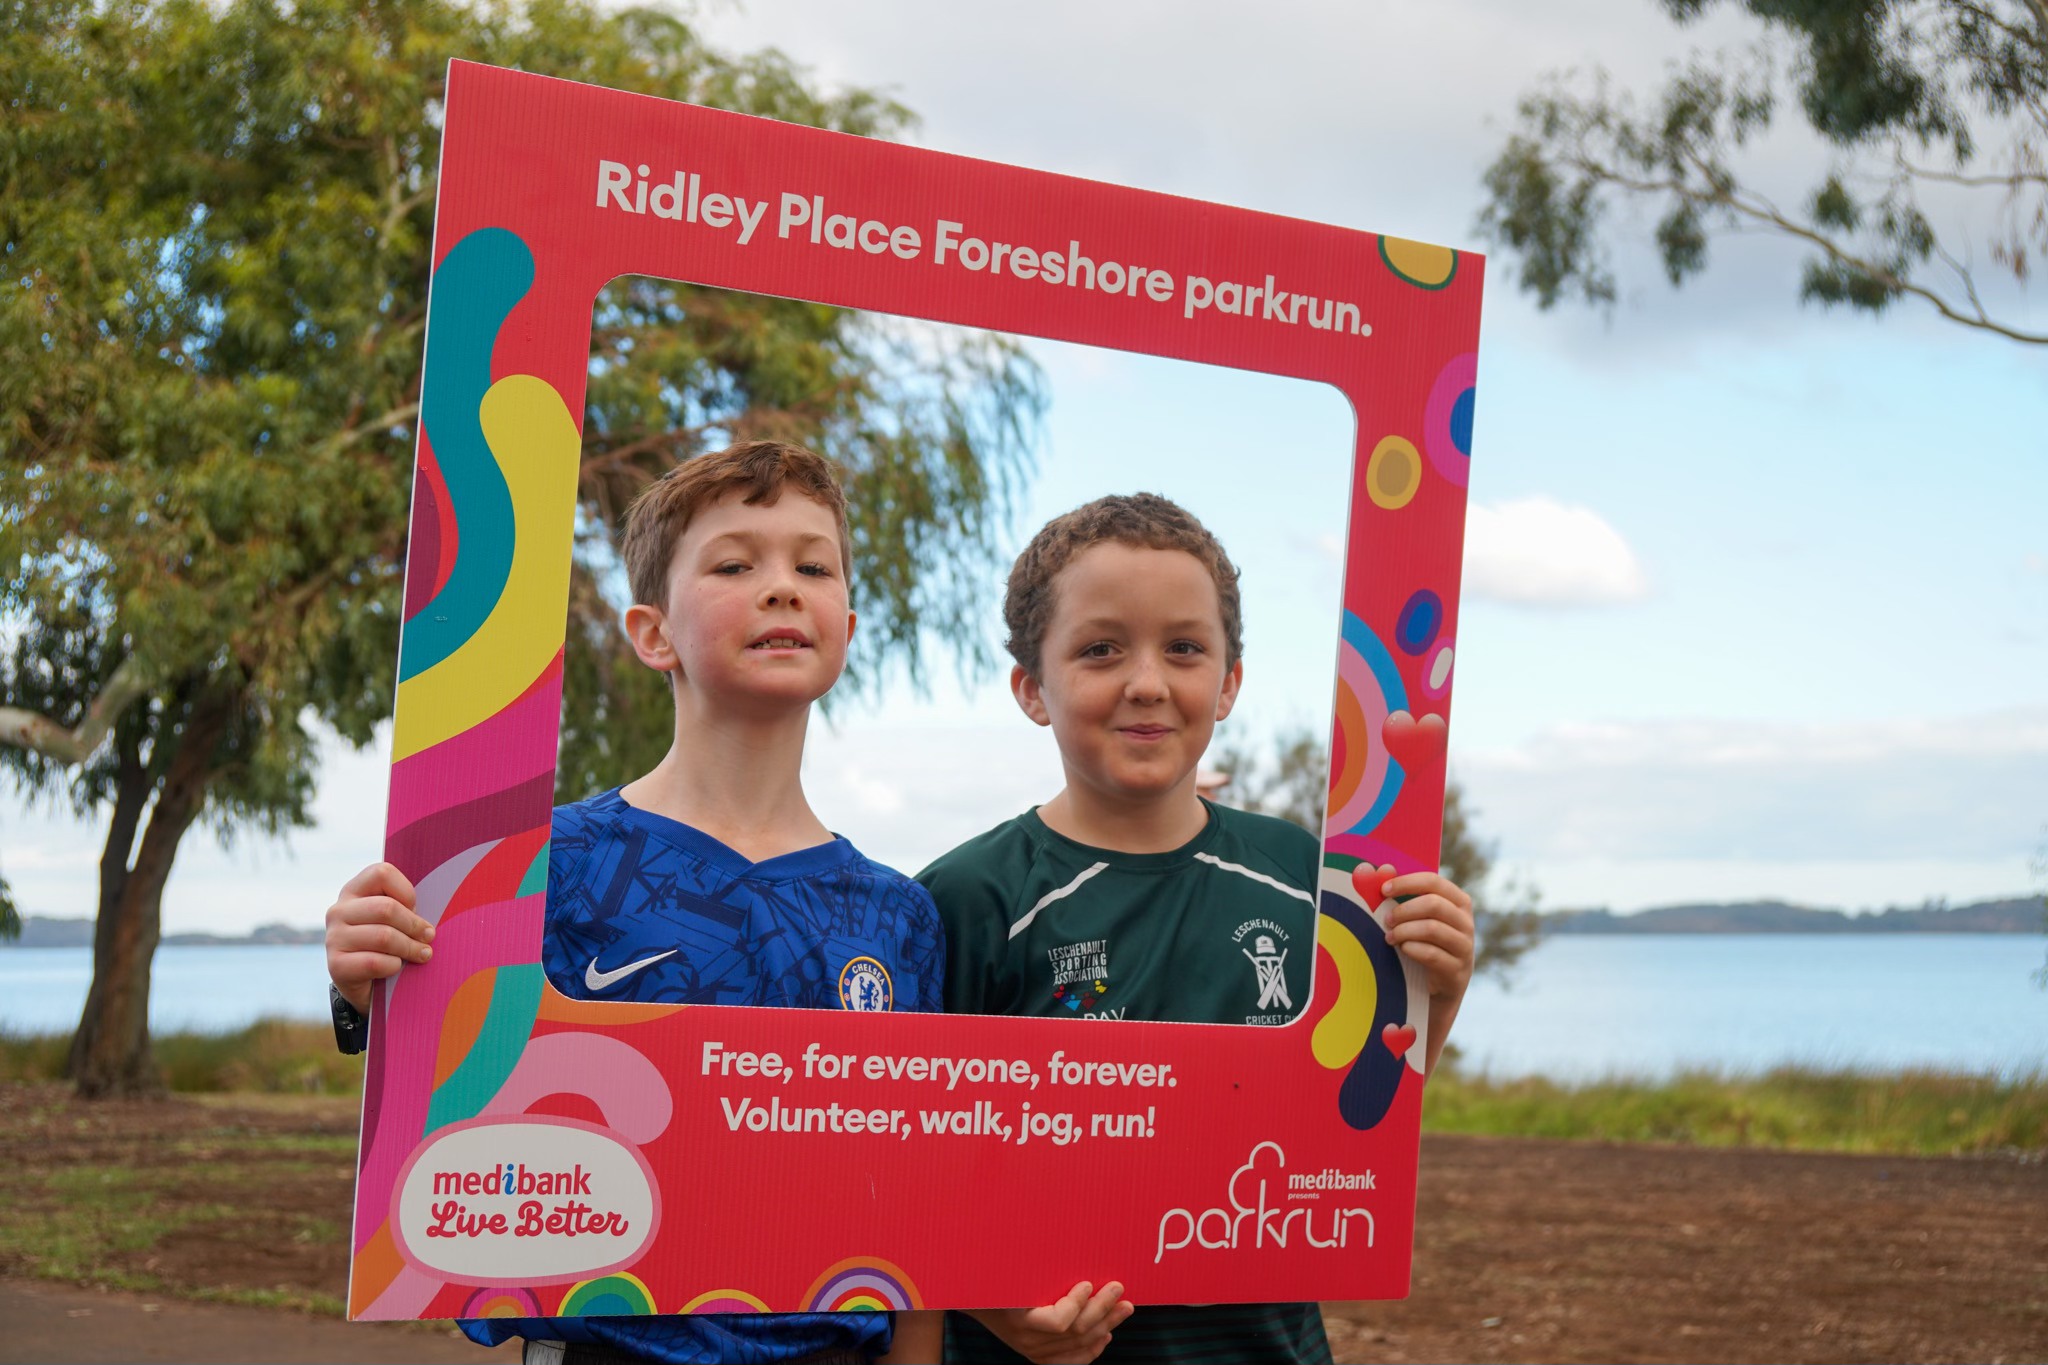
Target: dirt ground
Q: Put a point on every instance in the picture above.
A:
(1527, 1250)
(1566, 1251)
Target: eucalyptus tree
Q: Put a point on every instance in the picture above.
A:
(215, 218)
(1934, 114)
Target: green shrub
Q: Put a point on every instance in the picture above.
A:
(1801, 1108)
(270, 1055)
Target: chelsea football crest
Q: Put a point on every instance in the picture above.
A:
(864, 985)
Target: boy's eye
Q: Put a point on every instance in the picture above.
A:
(731, 566)
(814, 570)
(1101, 649)
(1185, 647)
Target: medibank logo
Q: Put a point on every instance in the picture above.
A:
(512, 1178)
(524, 1200)
(1257, 1193)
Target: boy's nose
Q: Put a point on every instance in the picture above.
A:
(1146, 682)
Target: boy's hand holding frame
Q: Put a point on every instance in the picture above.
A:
(1070, 1331)
(373, 931)
(1430, 922)
(485, 1075)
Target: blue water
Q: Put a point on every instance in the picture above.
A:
(207, 990)
(1586, 1006)
(1583, 1006)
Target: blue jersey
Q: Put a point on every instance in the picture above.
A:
(646, 909)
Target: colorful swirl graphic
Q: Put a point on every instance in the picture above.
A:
(611, 1296)
(862, 1284)
(1393, 473)
(724, 1301)
(1372, 992)
(1419, 263)
(479, 701)
(1364, 779)
(502, 1303)
(1420, 619)
(1447, 418)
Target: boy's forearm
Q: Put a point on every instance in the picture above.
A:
(1442, 1010)
(919, 1340)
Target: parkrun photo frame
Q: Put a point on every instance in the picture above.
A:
(528, 1154)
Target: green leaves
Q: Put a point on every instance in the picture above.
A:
(214, 226)
(1552, 219)
(1886, 84)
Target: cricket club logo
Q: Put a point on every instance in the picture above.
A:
(1267, 952)
(864, 985)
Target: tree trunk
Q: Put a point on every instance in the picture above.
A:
(110, 1053)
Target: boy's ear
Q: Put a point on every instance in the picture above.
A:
(647, 629)
(1232, 680)
(1030, 697)
(852, 620)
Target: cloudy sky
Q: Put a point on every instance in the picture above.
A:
(1756, 596)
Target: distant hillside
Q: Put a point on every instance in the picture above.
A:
(40, 931)
(2023, 915)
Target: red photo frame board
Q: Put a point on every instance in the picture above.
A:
(530, 1154)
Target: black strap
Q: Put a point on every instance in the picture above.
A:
(351, 1025)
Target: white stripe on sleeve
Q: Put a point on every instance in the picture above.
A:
(1049, 897)
(1244, 871)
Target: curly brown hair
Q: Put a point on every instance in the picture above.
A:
(760, 469)
(1145, 520)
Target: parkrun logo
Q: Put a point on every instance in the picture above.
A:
(1221, 1229)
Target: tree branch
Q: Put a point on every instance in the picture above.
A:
(667, 439)
(2012, 181)
(342, 440)
(2040, 9)
(1764, 213)
(39, 734)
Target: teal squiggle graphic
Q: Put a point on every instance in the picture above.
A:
(508, 1022)
(472, 293)
(536, 878)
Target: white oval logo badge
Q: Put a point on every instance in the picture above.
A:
(524, 1201)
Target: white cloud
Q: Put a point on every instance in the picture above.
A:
(1536, 551)
(1772, 806)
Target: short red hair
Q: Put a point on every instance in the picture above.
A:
(760, 470)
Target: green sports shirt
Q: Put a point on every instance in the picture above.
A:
(1218, 931)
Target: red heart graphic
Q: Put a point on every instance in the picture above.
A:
(1398, 1038)
(1415, 744)
(1367, 881)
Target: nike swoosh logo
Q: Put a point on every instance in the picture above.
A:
(597, 980)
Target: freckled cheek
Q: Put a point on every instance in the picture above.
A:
(714, 616)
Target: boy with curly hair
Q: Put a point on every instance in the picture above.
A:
(1130, 896)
